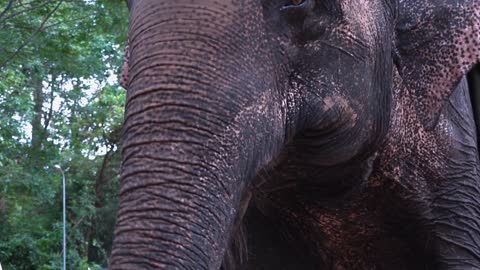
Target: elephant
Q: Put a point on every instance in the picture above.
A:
(299, 134)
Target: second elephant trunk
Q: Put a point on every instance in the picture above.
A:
(201, 120)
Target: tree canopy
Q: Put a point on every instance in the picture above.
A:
(60, 104)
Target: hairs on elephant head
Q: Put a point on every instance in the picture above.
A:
(299, 134)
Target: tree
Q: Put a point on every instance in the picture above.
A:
(59, 104)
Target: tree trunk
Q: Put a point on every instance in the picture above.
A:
(37, 127)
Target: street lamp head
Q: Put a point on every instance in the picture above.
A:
(57, 167)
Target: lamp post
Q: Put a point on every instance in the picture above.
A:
(58, 168)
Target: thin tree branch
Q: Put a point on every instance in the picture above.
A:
(78, 222)
(9, 5)
(31, 28)
(32, 37)
(25, 10)
(67, 21)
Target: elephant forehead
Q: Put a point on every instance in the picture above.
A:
(362, 18)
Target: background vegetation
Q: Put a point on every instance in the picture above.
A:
(60, 103)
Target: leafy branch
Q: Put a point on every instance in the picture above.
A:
(32, 37)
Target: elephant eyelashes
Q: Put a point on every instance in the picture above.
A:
(295, 10)
(296, 2)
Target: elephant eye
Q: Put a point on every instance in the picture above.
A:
(296, 4)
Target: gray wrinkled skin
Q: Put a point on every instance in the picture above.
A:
(315, 134)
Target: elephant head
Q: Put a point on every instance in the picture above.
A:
(321, 134)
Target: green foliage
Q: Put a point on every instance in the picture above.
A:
(59, 104)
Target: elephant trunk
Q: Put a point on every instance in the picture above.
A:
(202, 117)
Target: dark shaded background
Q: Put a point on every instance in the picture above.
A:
(474, 83)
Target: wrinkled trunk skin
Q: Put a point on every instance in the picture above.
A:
(196, 96)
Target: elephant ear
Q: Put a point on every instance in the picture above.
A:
(438, 41)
